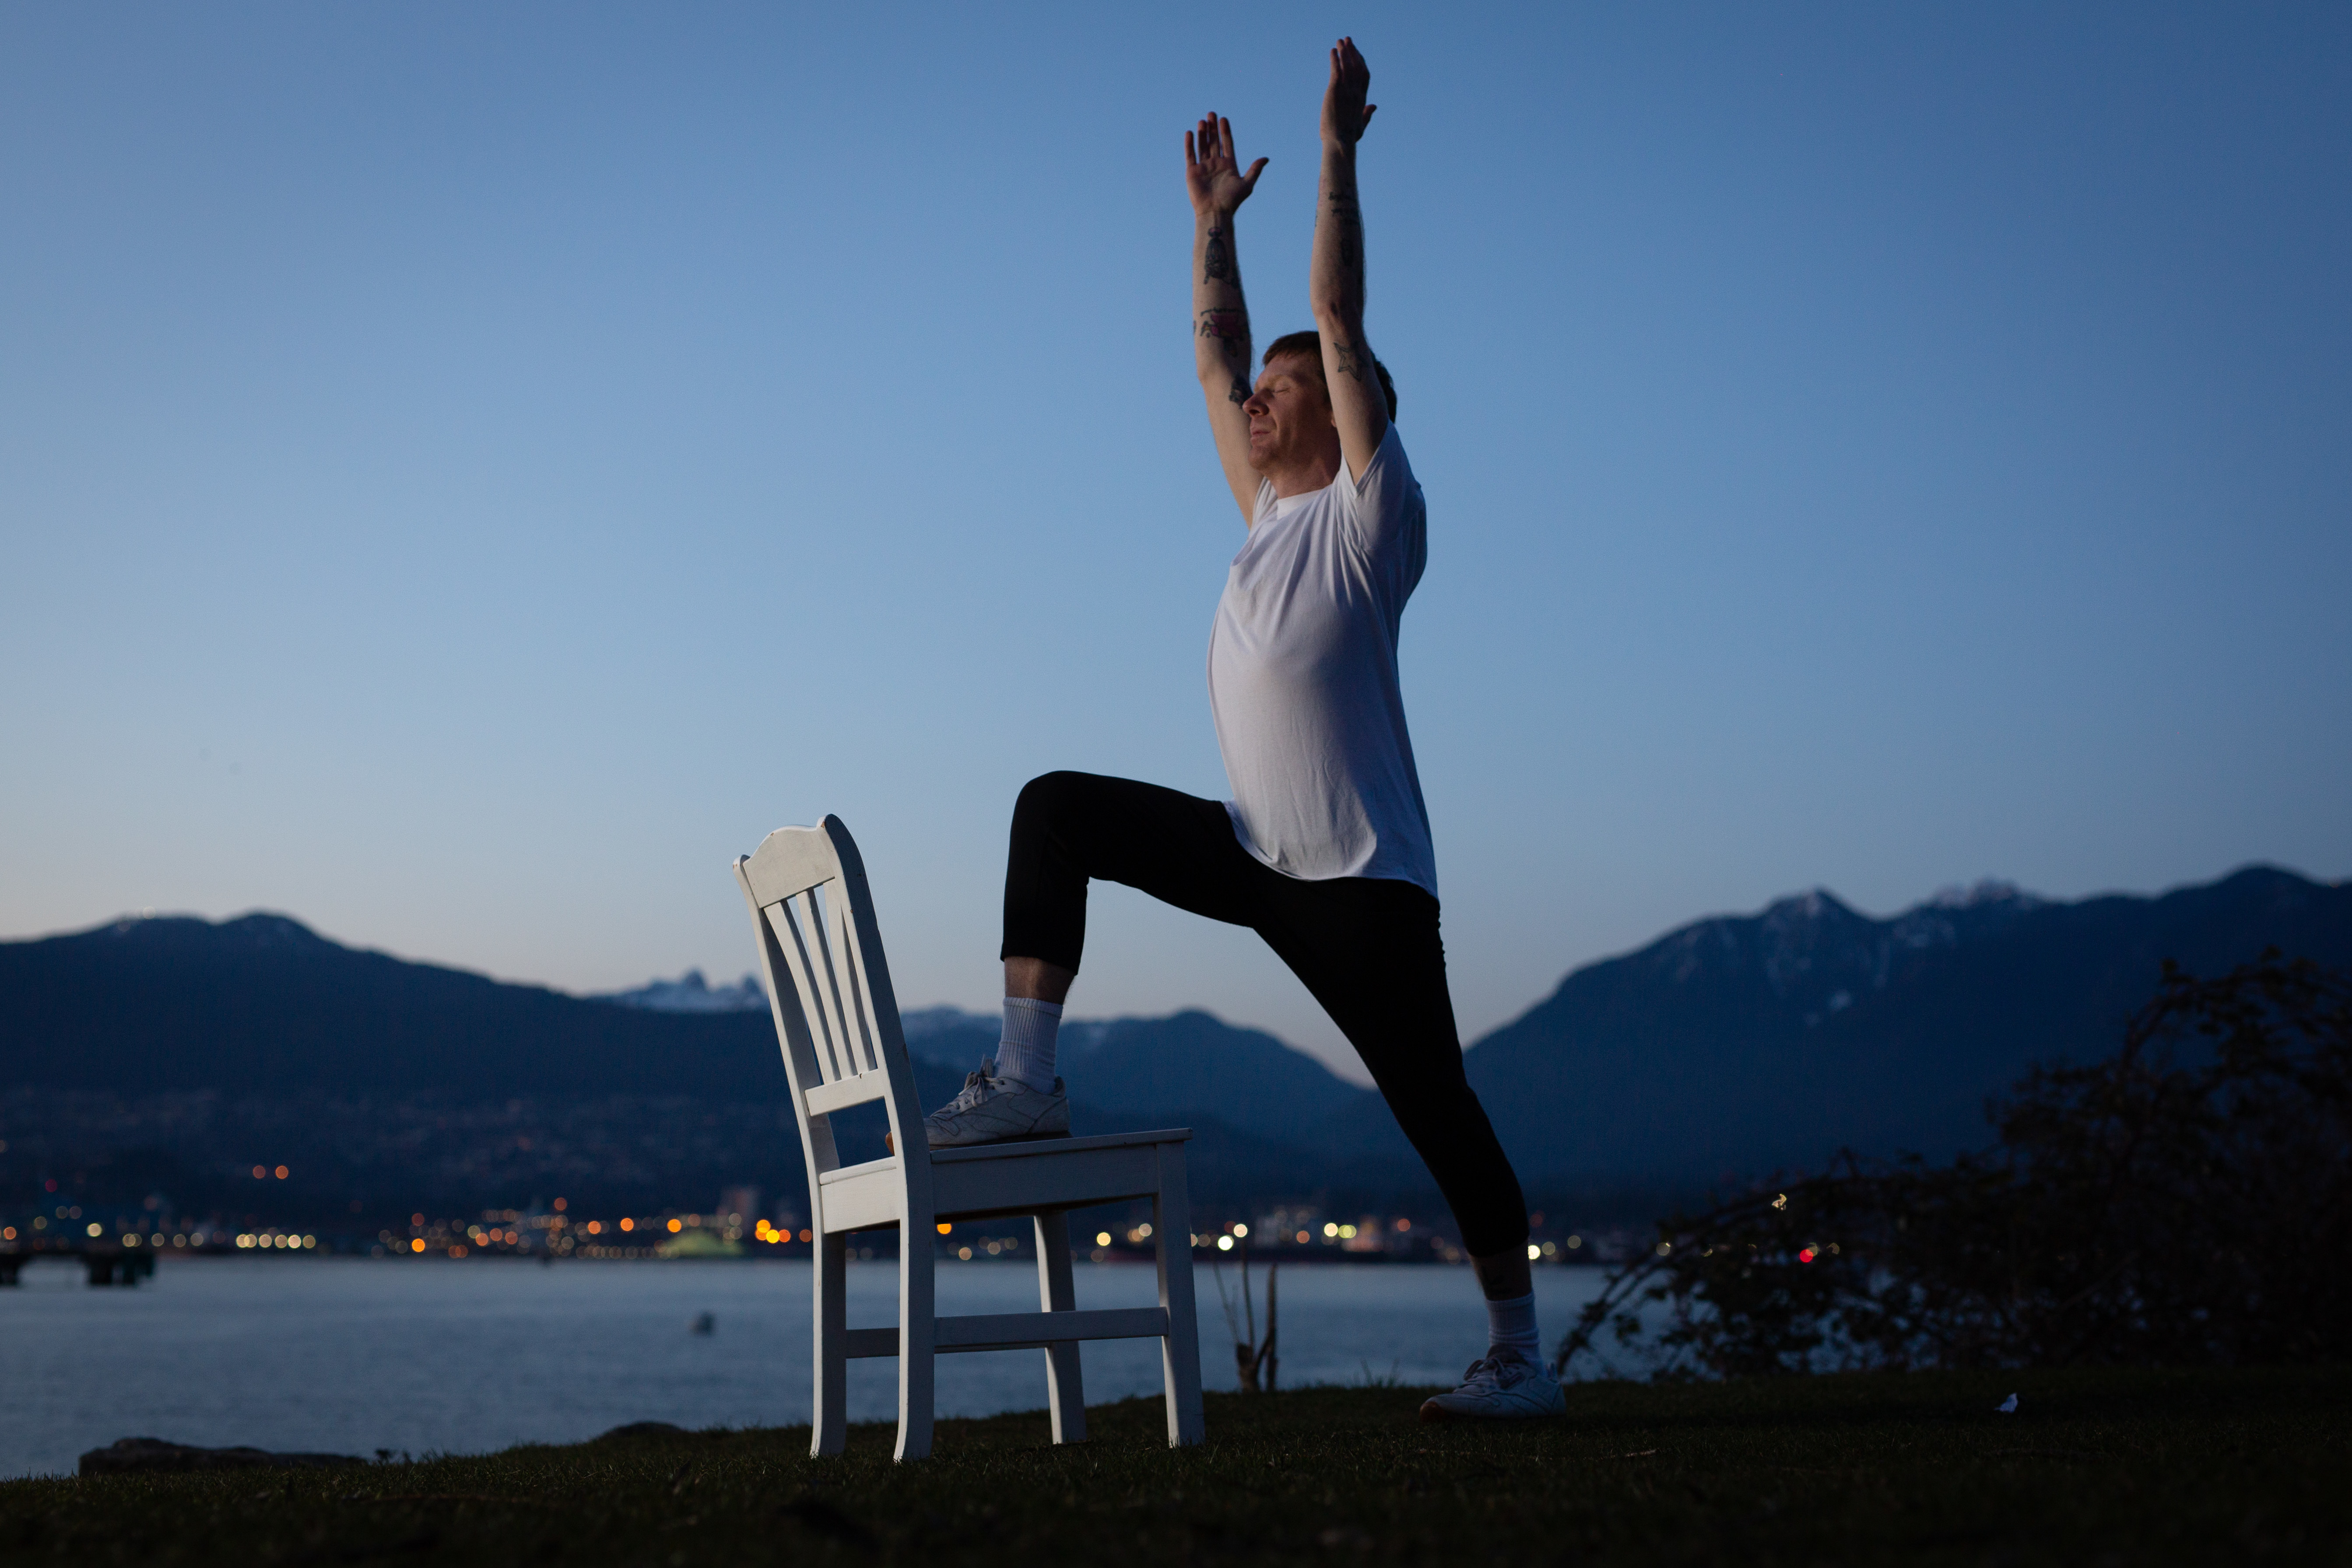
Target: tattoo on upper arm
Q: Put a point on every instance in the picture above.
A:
(1354, 361)
(1230, 328)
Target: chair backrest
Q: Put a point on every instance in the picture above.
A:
(829, 989)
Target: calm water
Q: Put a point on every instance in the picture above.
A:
(350, 1355)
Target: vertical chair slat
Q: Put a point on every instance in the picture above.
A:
(826, 947)
(795, 952)
(813, 975)
(800, 1068)
(786, 939)
(855, 1001)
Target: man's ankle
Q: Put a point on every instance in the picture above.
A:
(1025, 1051)
(1511, 1329)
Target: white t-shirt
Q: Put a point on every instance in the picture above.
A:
(1303, 678)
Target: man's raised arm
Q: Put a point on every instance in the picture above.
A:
(1221, 331)
(1336, 276)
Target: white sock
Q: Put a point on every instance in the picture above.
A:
(1511, 1326)
(1027, 1051)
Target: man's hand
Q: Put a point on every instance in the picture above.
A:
(1345, 112)
(1213, 174)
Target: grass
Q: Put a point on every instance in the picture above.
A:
(2094, 1468)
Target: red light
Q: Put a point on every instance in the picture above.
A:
(1806, 1256)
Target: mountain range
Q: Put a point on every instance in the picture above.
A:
(1739, 1044)
(1727, 1047)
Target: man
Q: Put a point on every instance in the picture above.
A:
(1325, 848)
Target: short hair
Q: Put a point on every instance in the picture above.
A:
(1309, 345)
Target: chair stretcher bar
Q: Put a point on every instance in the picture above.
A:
(1020, 1331)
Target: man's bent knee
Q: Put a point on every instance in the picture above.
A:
(1049, 796)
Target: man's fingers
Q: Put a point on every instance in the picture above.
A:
(1249, 181)
(1349, 60)
(1369, 110)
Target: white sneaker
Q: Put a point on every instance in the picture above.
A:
(1498, 1386)
(992, 1110)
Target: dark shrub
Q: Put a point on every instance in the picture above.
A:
(2189, 1200)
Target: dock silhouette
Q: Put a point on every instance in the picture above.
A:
(107, 1262)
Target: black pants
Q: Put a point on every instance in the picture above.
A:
(1366, 947)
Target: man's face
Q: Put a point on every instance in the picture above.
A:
(1289, 416)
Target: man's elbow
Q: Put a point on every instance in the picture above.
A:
(1343, 317)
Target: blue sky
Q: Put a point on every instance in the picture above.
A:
(467, 472)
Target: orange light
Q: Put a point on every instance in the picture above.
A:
(628, 1224)
(595, 1227)
(945, 1228)
(804, 1236)
(416, 1245)
(676, 1225)
(258, 1172)
(559, 1205)
(281, 1172)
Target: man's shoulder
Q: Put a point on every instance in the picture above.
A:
(1388, 461)
(1388, 484)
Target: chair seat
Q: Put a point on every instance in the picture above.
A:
(988, 1179)
(1030, 1146)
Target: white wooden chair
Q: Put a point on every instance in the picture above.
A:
(837, 1020)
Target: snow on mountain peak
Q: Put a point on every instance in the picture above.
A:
(690, 993)
(1988, 891)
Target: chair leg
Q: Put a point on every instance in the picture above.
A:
(1180, 1353)
(917, 1333)
(1064, 1393)
(829, 1411)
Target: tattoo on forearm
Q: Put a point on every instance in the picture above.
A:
(1239, 393)
(1349, 218)
(1216, 261)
